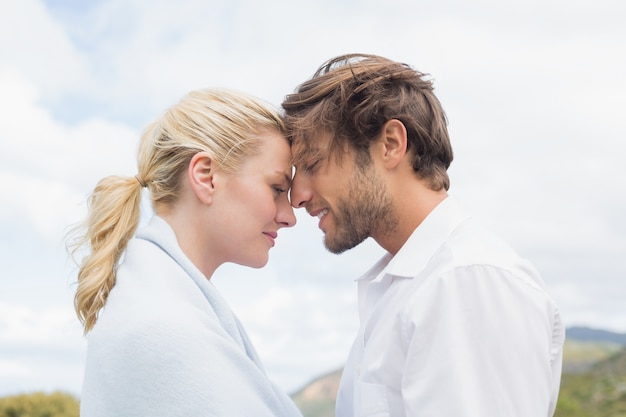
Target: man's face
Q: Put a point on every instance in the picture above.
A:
(346, 194)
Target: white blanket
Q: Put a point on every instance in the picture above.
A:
(167, 344)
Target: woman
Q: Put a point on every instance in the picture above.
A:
(161, 340)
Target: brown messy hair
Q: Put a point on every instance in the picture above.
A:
(352, 96)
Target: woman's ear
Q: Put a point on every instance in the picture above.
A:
(394, 142)
(201, 176)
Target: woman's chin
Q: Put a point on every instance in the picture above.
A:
(260, 262)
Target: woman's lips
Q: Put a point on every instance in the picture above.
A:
(272, 237)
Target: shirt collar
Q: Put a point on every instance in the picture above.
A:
(423, 243)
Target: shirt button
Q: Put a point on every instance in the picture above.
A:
(357, 370)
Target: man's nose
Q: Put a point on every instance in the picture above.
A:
(300, 193)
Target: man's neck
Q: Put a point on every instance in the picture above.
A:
(411, 207)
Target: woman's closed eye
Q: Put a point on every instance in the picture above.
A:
(279, 189)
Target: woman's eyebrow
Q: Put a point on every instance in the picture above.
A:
(287, 177)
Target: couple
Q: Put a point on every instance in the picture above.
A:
(453, 322)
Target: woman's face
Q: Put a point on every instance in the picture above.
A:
(255, 203)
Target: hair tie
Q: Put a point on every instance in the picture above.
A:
(140, 181)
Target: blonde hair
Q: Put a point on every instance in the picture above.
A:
(224, 123)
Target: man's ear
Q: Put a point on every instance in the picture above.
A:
(393, 143)
(201, 176)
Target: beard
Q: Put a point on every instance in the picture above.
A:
(367, 210)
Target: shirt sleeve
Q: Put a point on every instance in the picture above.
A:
(479, 343)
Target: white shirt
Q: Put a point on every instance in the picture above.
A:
(455, 325)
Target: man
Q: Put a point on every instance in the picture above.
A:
(453, 321)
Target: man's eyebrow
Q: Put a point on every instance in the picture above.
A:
(306, 152)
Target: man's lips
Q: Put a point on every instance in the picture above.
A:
(320, 214)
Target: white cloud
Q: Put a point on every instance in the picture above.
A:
(39, 204)
(38, 144)
(36, 45)
(40, 349)
(48, 167)
(299, 329)
(12, 370)
(21, 326)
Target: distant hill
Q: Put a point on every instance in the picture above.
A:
(588, 334)
(579, 357)
(587, 346)
(593, 383)
(317, 399)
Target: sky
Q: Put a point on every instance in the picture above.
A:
(534, 92)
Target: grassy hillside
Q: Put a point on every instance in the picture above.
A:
(580, 356)
(593, 383)
(599, 392)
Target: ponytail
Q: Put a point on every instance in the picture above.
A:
(112, 219)
(224, 123)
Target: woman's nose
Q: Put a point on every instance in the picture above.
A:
(285, 216)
